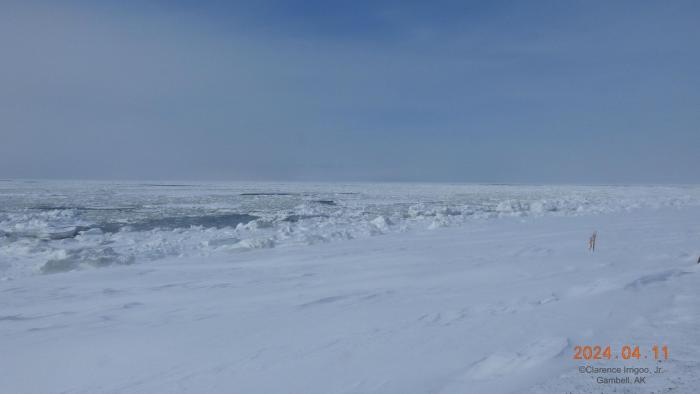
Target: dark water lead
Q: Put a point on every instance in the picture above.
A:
(296, 218)
(173, 222)
(78, 208)
(166, 185)
(164, 223)
(325, 202)
(270, 194)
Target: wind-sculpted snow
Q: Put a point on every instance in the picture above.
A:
(494, 308)
(57, 226)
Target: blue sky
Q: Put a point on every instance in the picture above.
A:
(545, 91)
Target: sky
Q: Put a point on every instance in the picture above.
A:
(442, 91)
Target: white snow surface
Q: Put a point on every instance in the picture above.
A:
(424, 289)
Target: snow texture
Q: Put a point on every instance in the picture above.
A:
(362, 295)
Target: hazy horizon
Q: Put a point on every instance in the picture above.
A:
(459, 92)
(190, 182)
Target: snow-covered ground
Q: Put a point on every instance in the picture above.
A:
(431, 289)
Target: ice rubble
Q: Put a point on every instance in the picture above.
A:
(85, 224)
